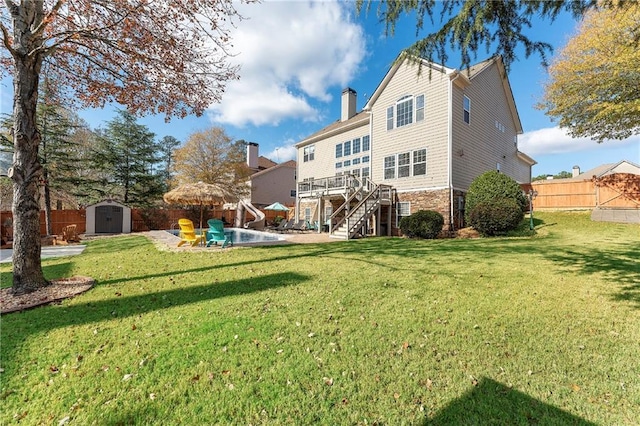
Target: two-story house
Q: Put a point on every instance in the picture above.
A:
(418, 143)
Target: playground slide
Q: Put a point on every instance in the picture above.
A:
(258, 222)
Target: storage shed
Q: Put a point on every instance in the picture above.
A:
(108, 217)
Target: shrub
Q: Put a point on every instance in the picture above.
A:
(496, 217)
(490, 186)
(422, 224)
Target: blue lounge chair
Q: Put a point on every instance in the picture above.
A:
(215, 234)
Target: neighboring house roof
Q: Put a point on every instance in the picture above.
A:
(265, 163)
(608, 169)
(288, 164)
(623, 166)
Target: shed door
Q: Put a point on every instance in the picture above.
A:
(109, 219)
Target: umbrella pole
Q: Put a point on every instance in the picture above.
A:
(201, 216)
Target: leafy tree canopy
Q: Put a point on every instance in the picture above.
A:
(594, 85)
(211, 156)
(469, 25)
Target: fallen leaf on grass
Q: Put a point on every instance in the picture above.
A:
(127, 377)
(328, 381)
(575, 387)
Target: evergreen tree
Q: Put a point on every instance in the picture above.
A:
(166, 148)
(126, 156)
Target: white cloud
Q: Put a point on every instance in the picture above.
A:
(291, 54)
(554, 140)
(283, 153)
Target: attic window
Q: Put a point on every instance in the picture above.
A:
(467, 110)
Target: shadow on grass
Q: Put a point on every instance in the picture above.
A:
(45, 319)
(619, 265)
(492, 403)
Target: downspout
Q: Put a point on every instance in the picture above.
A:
(450, 149)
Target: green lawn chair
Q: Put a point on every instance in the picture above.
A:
(215, 234)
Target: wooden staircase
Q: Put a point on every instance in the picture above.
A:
(367, 199)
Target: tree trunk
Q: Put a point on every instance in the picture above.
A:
(26, 169)
(47, 201)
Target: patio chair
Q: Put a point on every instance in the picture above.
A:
(70, 234)
(300, 226)
(188, 233)
(288, 225)
(312, 226)
(215, 234)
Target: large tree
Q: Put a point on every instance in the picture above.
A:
(211, 156)
(166, 147)
(126, 154)
(594, 83)
(470, 25)
(168, 57)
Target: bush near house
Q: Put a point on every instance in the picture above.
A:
(425, 224)
(490, 186)
(496, 217)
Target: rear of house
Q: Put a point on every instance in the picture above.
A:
(420, 140)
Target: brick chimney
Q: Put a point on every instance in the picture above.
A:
(348, 104)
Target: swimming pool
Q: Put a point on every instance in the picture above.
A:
(245, 237)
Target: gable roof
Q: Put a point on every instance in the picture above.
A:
(400, 60)
(265, 163)
(608, 169)
(480, 67)
(291, 164)
(337, 127)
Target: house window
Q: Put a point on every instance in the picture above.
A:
(293, 193)
(309, 153)
(347, 148)
(355, 161)
(355, 146)
(365, 159)
(339, 150)
(467, 109)
(365, 143)
(404, 111)
(420, 108)
(404, 164)
(365, 172)
(307, 214)
(390, 118)
(339, 165)
(355, 172)
(346, 163)
(403, 209)
(420, 162)
(390, 167)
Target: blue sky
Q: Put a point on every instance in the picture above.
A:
(296, 58)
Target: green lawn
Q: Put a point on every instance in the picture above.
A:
(535, 330)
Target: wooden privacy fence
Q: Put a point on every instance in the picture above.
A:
(141, 219)
(619, 190)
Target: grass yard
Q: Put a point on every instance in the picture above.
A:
(540, 330)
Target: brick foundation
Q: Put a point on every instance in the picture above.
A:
(437, 200)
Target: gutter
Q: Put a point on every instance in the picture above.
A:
(450, 149)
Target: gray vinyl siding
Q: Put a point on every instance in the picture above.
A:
(325, 159)
(478, 147)
(431, 133)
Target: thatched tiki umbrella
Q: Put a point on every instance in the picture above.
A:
(198, 194)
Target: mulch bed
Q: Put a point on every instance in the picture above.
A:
(59, 289)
